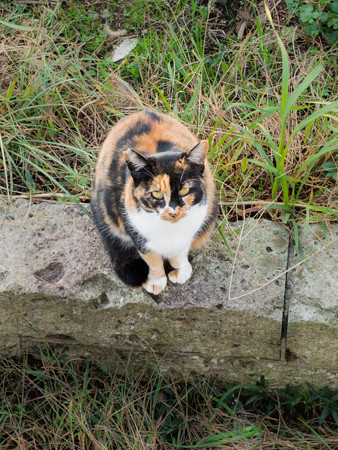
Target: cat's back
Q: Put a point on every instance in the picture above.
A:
(144, 131)
(147, 132)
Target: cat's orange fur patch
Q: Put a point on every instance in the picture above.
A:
(201, 240)
(188, 199)
(128, 195)
(162, 183)
(180, 210)
(108, 221)
(180, 164)
(155, 263)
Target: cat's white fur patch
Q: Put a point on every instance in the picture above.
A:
(182, 274)
(165, 238)
(155, 285)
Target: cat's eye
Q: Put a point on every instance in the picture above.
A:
(184, 191)
(157, 194)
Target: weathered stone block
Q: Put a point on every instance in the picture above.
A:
(57, 274)
(57, 285)
(312, 336)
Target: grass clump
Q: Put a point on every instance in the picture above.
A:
(61, 403)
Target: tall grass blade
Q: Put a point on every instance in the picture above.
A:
(162, 96)
(316, 434)
(15, 26)
(220, 439)
(300, 89)
(192, 100)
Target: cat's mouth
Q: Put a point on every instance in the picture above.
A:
(170, 215)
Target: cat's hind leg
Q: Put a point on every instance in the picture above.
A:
(133, 272)
(127, 263)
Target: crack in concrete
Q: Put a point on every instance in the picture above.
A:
(286, 305)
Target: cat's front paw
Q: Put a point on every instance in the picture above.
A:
(181, 275)
(155, 286)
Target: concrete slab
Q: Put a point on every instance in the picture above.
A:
(57, 286)
(55, 271)
(312, 337)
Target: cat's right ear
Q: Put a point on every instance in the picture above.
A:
(198, 154)
(135, 160)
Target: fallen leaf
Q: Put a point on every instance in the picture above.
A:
(123, 49)
(240, 29)
(245, 14)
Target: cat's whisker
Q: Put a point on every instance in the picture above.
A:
(182, 176)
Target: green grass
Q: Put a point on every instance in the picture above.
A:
(56, 402)
(268, 104)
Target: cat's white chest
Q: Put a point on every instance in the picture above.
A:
(167, 238)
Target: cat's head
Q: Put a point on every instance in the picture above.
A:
(168, 183)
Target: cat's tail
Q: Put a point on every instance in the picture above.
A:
(133, 272)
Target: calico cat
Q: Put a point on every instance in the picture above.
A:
(153, 198)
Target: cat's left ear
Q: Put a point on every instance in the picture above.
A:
(197, 154)
(135, 160)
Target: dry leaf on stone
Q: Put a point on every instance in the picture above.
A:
(124, 49)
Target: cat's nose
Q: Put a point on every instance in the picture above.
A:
(173, 214)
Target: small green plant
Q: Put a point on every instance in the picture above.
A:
(330, 169)
(299, 400)
(317, 17)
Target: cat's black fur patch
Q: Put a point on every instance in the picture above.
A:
(133, 272)
(136, 130)
(138, 239)
(111, 203)
(153, 116)
(164, 146)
